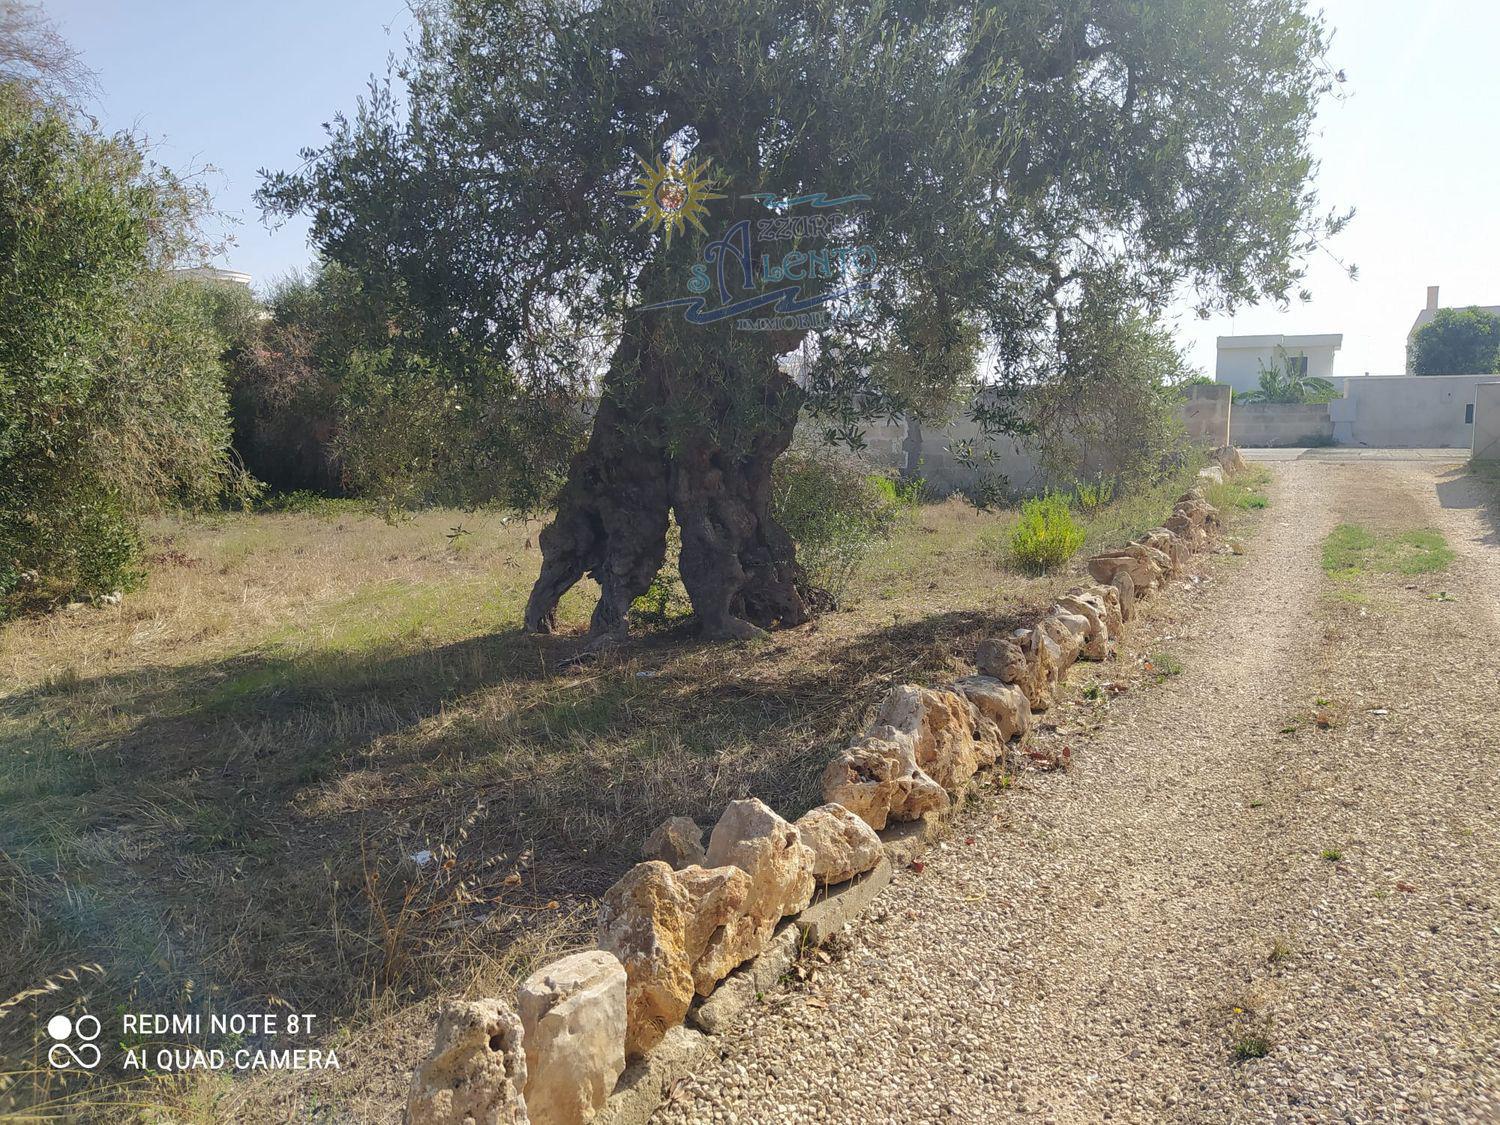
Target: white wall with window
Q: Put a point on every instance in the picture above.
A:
(1242, 358)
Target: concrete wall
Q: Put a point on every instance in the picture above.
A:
(1205, 414)
(1487, 422)
(927, 451)
(1262, 424)
(1239, 359)
(1415, 411)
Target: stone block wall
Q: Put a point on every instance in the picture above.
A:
(1263, 424)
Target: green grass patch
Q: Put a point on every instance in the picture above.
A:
(1351, 551)
(1244, 492)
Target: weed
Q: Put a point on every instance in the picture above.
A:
(1350, 551)
(1281, 950)
(1333, 855)
(1251, 1035)
(1252, 1045)
(1091, 497)
(1162, 665)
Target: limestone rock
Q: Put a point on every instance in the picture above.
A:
(1142, 572)
(843, 844)
(719, 935)
(1212, 473)
(1002, 659)
(643, 922)
(1043, 664)
(1092, 609)
(1157, 558)
(1108, 598)
(476, 1073)
(753, 838)
(1193, 534)
(1069, 631)
(1003, 704)
(1198, 511)
(1124, 587)
(1174, 547)
(677, 843)
(941, 723)
(573, 1011)
(878, 779)
(1228, 458)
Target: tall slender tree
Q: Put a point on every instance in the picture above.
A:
(1018, 157)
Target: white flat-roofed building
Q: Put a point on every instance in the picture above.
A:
(214, 273)
(1242, 358)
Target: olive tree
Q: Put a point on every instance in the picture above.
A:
(1012, 159)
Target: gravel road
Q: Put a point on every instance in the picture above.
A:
(1216, 875)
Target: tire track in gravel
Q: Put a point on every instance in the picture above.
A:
(1083, 957)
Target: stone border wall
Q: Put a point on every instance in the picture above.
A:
(689, 938)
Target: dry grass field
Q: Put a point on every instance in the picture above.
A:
(214, 790)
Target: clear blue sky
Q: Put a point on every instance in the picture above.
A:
(1414, 145)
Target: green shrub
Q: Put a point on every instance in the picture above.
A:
(1045, 535)
(1091, 497)
(112, 395)
(836, 507)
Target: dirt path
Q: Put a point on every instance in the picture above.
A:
(1215, 871)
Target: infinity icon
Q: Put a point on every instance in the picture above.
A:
(86, 1056)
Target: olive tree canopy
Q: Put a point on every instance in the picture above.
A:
(1013, 160)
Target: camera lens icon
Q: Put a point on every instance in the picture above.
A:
(64, 1055)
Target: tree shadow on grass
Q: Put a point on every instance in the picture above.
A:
(245, 824)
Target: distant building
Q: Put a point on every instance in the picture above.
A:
(1242, 358)
(1427, 314)
(214, 273)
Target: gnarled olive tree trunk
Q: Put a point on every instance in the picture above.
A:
(738, 564)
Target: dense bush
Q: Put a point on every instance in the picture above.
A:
(285, 380)
(836, 506)
(333, 394)
(1045, 535)
(111, 393)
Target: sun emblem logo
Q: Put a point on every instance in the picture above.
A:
(672, 195)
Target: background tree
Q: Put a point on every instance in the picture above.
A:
(1019, 158)
(1110, 411)
(35, 60)
(1456, 342)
